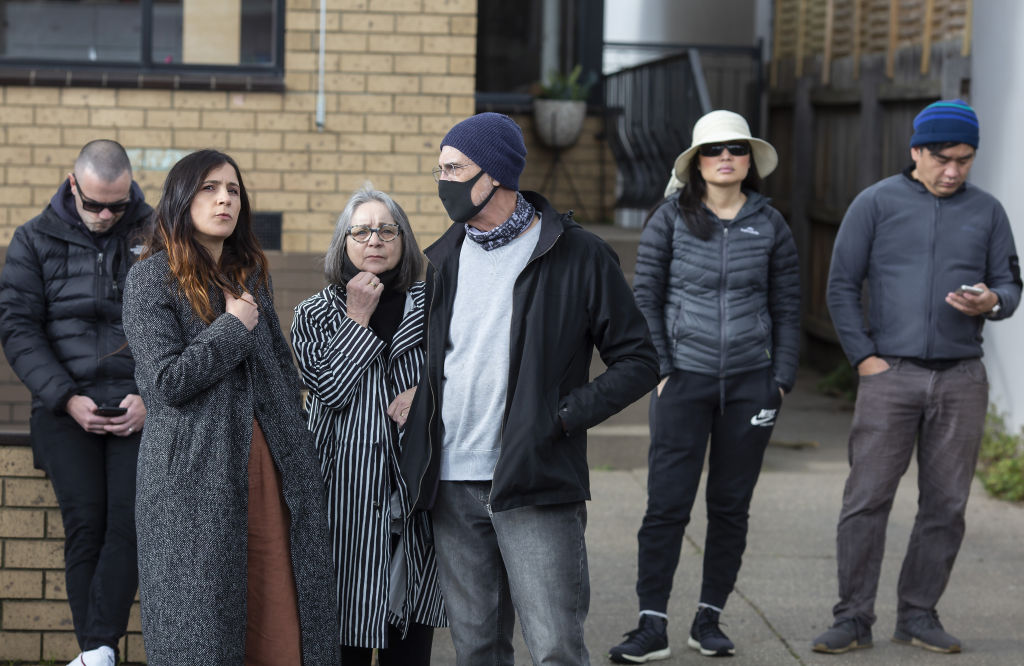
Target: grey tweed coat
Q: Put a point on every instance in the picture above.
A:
(203, 384)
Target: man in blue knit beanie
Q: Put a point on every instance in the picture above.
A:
(495, 443)
(939, 260)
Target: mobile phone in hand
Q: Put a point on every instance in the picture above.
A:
(969, 289)
(108, 410)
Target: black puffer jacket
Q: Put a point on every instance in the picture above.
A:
(570, 298)
(726, 305)
(60, 303)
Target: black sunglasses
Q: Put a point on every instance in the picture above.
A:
(94, 206)
(715, 149)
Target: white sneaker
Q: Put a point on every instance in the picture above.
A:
(101, 656)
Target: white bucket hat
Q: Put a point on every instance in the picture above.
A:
(722, 127)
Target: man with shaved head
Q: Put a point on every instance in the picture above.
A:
(60, 325)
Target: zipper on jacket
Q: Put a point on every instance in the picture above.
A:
(722, 314)
(98, 299)
(512, 318)
(100, 274)
(930, 338)
(433, 395)
(722, 286)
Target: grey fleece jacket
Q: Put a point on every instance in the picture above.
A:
(914, 248)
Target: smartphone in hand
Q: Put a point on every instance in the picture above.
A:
(110, 410)
(969, 289)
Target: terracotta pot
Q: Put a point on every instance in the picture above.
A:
(559, 122)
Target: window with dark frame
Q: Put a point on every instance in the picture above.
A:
(519, 43)
(267, 227)
(143, 42)
(508, 53)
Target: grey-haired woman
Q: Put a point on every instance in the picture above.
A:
(360, 344)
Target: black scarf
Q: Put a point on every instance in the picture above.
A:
(386, 318)
(507, 231)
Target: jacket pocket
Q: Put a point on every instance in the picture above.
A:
(175, 443)
(975, 371)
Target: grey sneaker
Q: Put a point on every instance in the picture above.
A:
(846, 634)
(925, 631)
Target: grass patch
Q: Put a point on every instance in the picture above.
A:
(1001, 461)
(840, 383)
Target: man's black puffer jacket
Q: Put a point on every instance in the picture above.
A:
(60, 303)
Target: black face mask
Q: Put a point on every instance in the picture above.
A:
(457, 200)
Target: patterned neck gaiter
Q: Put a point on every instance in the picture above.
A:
(508, 230)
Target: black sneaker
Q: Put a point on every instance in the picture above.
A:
(648, 642)
(846, 634)
(925, 631)
(706, 636)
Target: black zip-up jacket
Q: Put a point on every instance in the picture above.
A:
(570, 297)
(60, 304)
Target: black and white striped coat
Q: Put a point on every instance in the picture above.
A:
(352, 377)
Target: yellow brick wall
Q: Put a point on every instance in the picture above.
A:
(588, 167)
(35, 621)
(398, 74)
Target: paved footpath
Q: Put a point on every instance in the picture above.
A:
(788, 582)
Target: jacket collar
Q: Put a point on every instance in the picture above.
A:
(409, 333)
(754, 203)
(918, 186)
(552, 225)
(410, 330)
(62, 205)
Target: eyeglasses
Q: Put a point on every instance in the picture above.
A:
(447, 169)
(94, 206)
(385, 232)
(715, 149)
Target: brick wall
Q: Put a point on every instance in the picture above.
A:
(398, 74)
(35, 621)
(589, 164)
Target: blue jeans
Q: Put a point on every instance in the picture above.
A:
(531, 561)
(943, 412)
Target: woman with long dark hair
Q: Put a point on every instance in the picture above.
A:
(360, 344)
(718, 281)
(234, 565)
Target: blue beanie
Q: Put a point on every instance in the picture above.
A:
(944, 121)
(494, 142)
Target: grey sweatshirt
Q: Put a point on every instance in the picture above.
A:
(914, 248)
(476, 361)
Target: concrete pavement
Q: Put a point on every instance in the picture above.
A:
(788, 582)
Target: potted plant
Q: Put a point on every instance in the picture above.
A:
(560, 107)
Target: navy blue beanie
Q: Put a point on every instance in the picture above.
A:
(944, 121)
(494, 142)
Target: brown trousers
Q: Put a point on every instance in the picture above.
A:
(272, 626)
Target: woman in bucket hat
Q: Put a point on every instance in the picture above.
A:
(718, 281)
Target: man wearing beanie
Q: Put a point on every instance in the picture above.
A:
(939, 260)
(495, 445)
